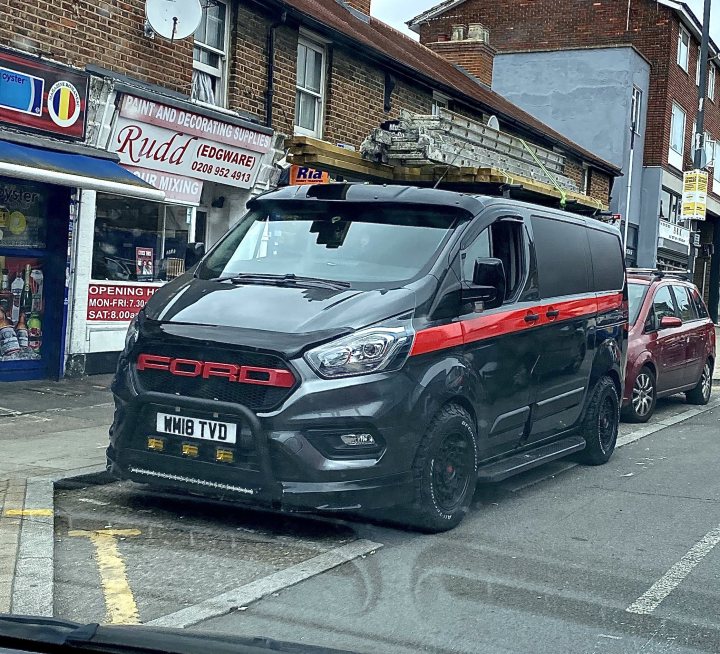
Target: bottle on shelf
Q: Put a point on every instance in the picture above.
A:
(35, 332)
(16, 288)
(8, 338)
(21, 329)
(26, 297)
(36, 275)
(5, 283)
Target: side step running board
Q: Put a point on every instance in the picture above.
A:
(514, 465)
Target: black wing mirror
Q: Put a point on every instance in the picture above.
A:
(489, 284)
(193, 253)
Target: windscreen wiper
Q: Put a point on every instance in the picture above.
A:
(283, 280)
(37, 634)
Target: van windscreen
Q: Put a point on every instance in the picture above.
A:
(344, 242)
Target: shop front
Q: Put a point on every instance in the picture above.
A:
(207, 166)
(44, 170)
(673, 250)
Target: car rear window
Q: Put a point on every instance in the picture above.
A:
(699, 304)
(636, 297)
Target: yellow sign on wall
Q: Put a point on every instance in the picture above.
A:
(694, 198)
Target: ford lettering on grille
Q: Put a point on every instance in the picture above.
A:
(208, 369)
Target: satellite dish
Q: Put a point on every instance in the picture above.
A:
(494, 123)
(173, 19)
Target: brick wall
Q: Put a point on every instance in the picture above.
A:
(474, 56)
(104, 32)
(356, 97)
(248, 66)
(109, 33)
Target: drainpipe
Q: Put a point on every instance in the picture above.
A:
(270, 93)
(628, 196)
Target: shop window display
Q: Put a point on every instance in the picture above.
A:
(138, 241)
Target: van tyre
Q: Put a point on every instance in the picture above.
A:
(445, 471)
(601, 423)
(701, 393)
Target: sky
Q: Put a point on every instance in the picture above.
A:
(396, 12)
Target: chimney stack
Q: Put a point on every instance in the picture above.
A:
(363, 6)
(468, 47)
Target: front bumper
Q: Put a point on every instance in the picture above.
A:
(282, 466)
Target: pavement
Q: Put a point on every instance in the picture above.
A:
(561, 552)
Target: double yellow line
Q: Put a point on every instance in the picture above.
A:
(120, 603)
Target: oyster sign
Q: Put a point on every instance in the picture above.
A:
(153, 136)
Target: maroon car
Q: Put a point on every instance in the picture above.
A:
(671, 348)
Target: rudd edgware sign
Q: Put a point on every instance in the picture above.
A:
(156, 137)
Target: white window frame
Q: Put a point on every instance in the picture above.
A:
(220, 73)
(586, 180)
(697, 68)
(636, 108)
(440, 101)
(319, 47)
(682, 47)
(711, 81)
(675, 158)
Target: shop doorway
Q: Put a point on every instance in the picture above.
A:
(34, 221)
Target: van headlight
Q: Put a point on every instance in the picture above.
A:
(366, 351)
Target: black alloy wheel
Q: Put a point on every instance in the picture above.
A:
(601, 423)
(444, 471)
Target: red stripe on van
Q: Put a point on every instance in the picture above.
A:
(609, 302)
(437, 338)
(507, 322)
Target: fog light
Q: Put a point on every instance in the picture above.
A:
(156, 444)
(190, 450)
(224, 456)
(355, 440)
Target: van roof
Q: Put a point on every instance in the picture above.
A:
(361, 192)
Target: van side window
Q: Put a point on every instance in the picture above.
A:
(607, 261)
(562, 257)
(503, 240)
(479, 249)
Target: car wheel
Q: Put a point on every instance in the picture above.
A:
(644, 396)
(701, 393)
(601, 423)
(445, 472)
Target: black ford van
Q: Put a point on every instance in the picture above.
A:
(352, 346)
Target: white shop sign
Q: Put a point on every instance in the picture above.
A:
(674, 233)
(157, 148)
(157, 137)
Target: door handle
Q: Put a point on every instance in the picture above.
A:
(552, 313)
(532, 317)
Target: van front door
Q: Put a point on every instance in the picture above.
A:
(500, 343)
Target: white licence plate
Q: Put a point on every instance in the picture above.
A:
(208, 430)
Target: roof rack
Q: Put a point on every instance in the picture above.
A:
(660, 274)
